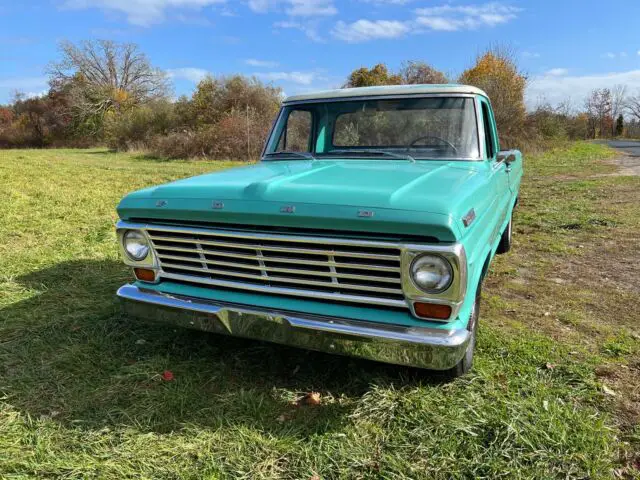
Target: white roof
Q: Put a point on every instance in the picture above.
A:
(385, 90)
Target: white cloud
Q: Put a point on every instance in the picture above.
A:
(261, 63)
(388, 2)
(439, 23)
(296, 8)
(576, 88)
(638, 52)
(557, 72)
(465, 17)
(309, 29)
(446, 18)
(310, 8)
(302, 78)
(142, 12)
(613, 55)
(188, 73)
(363, 30)
(527, 54)
(260, 6)
(40, 94)
(29, 86)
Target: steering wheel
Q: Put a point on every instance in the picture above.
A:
(447, 142)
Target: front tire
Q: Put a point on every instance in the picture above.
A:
(466, 363)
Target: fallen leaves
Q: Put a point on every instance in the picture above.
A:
(167, 376)
(310, 399)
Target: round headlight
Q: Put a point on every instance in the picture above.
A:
(431, 273)
(136, 245)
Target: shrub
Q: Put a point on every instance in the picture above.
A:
(135, 127)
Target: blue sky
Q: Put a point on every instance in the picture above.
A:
(567, 47)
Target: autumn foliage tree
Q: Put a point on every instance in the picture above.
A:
(411, 73)
(497, 74)
(372, 77)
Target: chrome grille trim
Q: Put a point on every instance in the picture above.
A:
(274, 248)
(381, 268)
(355, 271)
(265, 269)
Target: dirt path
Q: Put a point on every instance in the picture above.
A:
(629, 162)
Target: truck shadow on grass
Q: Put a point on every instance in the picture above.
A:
(69, 354)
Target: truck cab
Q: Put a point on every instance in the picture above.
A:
(365, 229)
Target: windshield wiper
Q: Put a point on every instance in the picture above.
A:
(306, 155)
(373, 151)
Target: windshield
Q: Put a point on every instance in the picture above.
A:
(407, 128)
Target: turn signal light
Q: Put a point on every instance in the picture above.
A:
(432, 310)
(145, 274)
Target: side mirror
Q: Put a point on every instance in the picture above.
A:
(506, 156)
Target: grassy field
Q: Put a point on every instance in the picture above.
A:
(555, 392)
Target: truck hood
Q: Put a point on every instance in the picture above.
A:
(381, 196)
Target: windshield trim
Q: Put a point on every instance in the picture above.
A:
(476, 107)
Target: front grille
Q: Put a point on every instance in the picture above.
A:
(321, 268)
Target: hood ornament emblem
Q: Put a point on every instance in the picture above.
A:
(217, 205)
(288, 209)
(366, 213)
(161, 203)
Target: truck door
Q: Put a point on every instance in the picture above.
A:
(498, 170)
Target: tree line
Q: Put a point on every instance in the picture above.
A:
(107, 93)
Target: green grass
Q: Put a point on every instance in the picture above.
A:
(81, 394)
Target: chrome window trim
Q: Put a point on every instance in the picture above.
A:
(476, 103)
(394, 96)
(454, 253)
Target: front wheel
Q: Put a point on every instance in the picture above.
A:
(464, 366)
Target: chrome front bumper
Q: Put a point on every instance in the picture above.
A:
(430, 348)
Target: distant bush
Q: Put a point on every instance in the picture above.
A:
(134, 128)
(227, 117)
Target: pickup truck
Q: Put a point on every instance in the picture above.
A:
(366, 229)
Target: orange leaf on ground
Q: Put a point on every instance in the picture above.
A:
(312, 398)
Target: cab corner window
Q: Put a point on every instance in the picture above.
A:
(296, 136)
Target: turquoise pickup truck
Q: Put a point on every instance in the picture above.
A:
(365, 229)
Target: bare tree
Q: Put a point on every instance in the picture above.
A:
(632, 105)
(103, 75)
(598, 108)
(618, 100)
